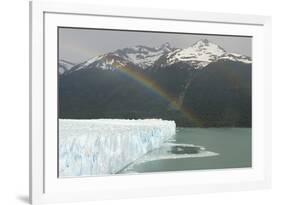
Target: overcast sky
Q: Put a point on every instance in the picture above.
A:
(78, 45)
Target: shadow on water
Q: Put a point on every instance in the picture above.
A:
(185, 149)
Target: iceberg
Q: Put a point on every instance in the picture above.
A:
(107, 146)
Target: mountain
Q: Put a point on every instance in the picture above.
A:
(163, 82)
(108, 61)
(64, 66)
(198, 55)
(221, 95)
(144, 56)
(139, 56)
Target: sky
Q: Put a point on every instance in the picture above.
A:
(78, 45)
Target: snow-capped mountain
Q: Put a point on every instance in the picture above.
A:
(108, 61)
(143, 56)
(137, 56)
(64, 66)
(198, 55)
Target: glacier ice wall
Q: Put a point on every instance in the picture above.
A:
(106, 146)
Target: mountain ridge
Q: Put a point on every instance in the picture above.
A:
(64, 66)
(198, 55)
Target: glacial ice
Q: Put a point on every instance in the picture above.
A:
(106, 146)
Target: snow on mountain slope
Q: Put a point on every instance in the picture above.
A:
(144, 56)
(64, 66)
(198, 55)
(137, 56)
(108, 61)
(235, 57)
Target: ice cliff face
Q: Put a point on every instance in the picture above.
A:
(104, 146)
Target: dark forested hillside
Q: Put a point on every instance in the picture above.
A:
(217, 95)
(220, 94)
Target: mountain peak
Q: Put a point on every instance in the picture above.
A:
(198, 55)
(140, 55)
(206, 46)
(143, 56)
(166, 45)
(202, 42)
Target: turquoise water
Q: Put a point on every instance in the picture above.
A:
(212, 148)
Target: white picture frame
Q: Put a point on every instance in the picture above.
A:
(46, 187)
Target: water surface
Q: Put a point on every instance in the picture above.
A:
(197, 149)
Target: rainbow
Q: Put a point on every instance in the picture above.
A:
(153, 86)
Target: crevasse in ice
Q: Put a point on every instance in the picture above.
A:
(106, 146)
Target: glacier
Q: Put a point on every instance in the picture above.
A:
(106, 146)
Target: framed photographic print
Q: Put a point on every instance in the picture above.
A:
(129, 102)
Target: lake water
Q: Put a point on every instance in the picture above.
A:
(197, 149)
